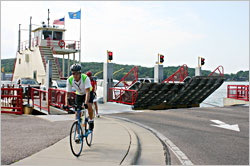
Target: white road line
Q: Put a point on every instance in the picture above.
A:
(54, 118)
(223, 125)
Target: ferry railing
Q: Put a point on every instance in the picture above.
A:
(34, 41)
(239, 92)
(124, 96)
(129, 79)
(38, 98)
(24, 45)
(178, 76)
(57, 98)
(220, 69)
(11, 100)
(69, 44)
(58, 67)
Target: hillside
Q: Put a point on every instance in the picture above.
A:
(143, 71)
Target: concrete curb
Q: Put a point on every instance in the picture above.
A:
(183, 159)
(133, 152)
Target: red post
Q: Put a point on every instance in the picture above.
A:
(237, 92)
(48, 100)
(247, 92)
(40, 100)
(32, 96)
(21, 97)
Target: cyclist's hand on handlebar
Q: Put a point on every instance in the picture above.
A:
(65, 107)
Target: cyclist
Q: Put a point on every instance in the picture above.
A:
(83, 87)
(93, 83)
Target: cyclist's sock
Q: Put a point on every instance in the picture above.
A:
(91, 124)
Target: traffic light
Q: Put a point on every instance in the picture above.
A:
(202, 61)
(110, 55)
(161, 58)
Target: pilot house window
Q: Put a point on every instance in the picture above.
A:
(57, 35)
(47, 34)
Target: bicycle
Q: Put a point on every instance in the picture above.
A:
(77, 134)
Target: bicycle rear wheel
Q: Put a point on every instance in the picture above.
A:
(75, 139)
(89, 135)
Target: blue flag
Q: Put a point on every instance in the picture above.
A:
(75, 15)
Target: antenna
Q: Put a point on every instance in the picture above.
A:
(48, 17)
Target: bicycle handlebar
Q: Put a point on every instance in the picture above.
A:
(67, 107)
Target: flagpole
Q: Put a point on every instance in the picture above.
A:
(80, 36)
(64, 22)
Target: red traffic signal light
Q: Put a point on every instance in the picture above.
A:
(202, 61)
(110, 55)
(161, 58)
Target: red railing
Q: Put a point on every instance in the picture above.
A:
(34, 41)
(25, 44)
(220, 69)
(38, 98)
(69, 44)
(12, 100)
(57, 97)
(58, 67)
(130, 78)
(122, 96)
(178, 76)
(239, 92)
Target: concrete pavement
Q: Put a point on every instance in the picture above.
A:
(115, 142)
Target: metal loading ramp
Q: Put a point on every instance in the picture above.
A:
(189, 93)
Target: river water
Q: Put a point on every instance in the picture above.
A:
(216, 98)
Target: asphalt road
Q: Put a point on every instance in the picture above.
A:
(22, 136)
(191, 130)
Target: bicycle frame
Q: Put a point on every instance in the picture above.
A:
(85, 133)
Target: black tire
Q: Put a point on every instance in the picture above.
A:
(89, 138)
(75, 148)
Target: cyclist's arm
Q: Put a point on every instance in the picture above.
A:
(87, 96)
(87, 89)
(69, 90)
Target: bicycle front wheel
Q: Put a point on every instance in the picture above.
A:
(76, 139)
(89, 135)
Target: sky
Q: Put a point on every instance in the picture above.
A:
(137, 31)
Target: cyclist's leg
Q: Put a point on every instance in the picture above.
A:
(90, 111)
(95, 103)
(96, 108)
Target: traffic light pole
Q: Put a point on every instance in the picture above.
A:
(107, 80)
(198, 69)
(158, 73)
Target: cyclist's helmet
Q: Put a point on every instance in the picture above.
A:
(75, 68)
(89, 74)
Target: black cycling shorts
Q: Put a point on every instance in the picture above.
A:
(80, 99)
